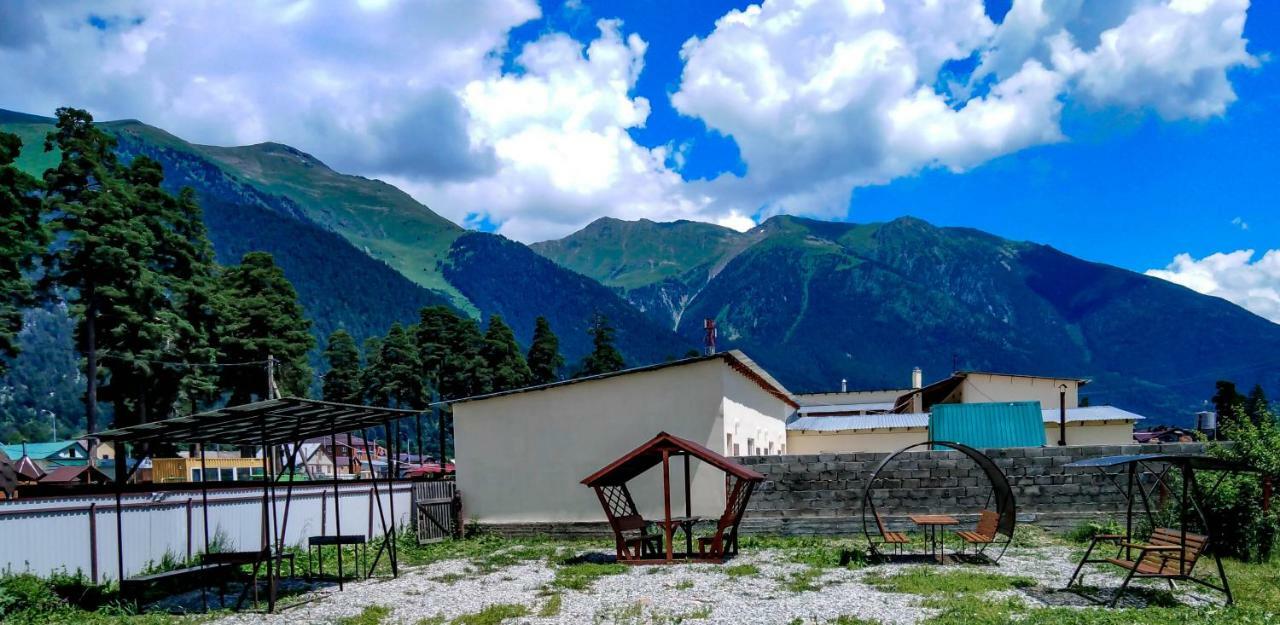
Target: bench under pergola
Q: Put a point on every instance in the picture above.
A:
(634, 543)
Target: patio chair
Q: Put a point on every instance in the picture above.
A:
(642, 544)
(897, 539)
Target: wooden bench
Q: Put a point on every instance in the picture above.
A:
(897, 539)
(985, 533)
(177, 580)
(1169, 554)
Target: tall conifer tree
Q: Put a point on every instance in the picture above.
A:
(261, 317)
(342, 382)
(22, 240)
(506, 365)
(544, 360)
(604, 357)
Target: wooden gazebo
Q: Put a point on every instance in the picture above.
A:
(635, 545)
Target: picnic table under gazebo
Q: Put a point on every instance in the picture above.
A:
(634, 542)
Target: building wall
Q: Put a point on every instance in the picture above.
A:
(850, 397)
(182, 469)
(985, 387)
(805, 442)
(521, 457)
(752, 413)
(1092, 433)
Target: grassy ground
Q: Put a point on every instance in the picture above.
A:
(960, 596)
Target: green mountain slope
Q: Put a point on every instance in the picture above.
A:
(815, 302)
(659, 266)
(361, 252)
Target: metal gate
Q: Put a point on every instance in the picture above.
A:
(433, 504)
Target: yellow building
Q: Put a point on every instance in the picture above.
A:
(220, 469)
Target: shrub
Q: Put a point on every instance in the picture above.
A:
(1085, 532)
(1238, 526)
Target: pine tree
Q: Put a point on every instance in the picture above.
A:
(158, 354)
(393, 377)
(261, 317)
(604, 357)
(429, 333)
(104, 245)
(463, 371)
(342, 382)
(544, 360)
(507, 367)
(22, 239)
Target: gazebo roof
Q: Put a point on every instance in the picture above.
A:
(649, 455)
(278, 421)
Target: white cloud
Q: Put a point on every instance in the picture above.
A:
(824, 97)
(1240, 223)
(1233, 276)
(821, 97)
(369, 88)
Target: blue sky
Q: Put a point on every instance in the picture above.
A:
(1126, 188)
(1139, 133)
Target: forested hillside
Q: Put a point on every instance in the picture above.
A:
(816, 302)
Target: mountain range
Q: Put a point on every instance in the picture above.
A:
(814, 302)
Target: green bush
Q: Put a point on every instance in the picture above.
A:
(1085, 532)
(1237, 524)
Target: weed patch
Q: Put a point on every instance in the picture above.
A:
(581, 576)
(493, 614)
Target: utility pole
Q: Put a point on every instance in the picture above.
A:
(1062, 415)
(439, 415)
(271, 377)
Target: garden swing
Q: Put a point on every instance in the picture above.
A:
(1169, 554)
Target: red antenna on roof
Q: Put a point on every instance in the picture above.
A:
(710, 326)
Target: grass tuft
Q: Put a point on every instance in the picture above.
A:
(580, 576)
(742, 570)
(371, 615)
(926, 581)
(493, 614)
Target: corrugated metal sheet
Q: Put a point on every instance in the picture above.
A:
(988, 425)
(860, 422)
(1092, 413)
(834, 408)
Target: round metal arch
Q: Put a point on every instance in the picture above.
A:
(1006, 505)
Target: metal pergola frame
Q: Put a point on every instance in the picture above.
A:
(267, 424)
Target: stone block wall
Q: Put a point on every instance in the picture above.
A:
(821, 494)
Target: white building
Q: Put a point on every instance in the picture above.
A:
(522, 453)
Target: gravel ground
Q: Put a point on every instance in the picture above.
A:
(671, 594)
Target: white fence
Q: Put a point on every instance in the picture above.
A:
(78, 532)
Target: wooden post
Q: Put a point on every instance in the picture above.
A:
(666, 499)
(688, 495)
(93, 541)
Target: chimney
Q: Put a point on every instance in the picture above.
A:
(917, 378)
(844, 385)
(710, 326)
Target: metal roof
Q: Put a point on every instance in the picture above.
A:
(275, 421)
(734, 358)
(39, 451)
(650, 454)
(921, 419)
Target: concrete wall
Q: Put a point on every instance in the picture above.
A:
(521, 457)
(821, 494)
(850, 441)
(986, 387)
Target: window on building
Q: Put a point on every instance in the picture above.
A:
(735, 449)
(728, 442)
(195, 475)
(211, 475)
(227, 475)
(751, 446)
(770, 452)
